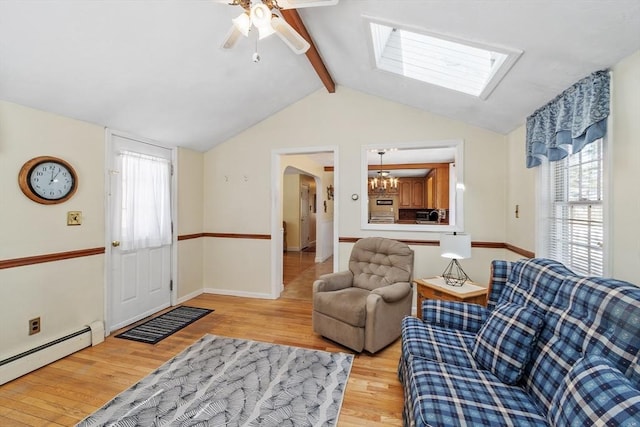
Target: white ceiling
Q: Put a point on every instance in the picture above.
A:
(154, 68)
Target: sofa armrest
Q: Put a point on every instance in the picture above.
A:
(333, 282)
(454, 315)
(395, 292)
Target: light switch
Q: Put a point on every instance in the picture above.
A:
(74, 218)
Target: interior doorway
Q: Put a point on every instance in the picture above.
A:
(319, 166)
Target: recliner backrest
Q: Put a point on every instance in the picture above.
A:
(377, 262)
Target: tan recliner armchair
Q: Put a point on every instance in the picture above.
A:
(363, 308)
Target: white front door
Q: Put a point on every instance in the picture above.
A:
(139, 206)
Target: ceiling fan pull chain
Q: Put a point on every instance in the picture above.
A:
(256, 56)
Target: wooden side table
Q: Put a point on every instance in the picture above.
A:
(436, 288)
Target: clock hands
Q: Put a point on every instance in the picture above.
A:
(53, 177)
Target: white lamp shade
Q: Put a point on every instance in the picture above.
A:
(456, 246)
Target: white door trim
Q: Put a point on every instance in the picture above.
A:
(276, 209)
(109, 133)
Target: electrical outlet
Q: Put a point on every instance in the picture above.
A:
(74, 218)
(34, 326)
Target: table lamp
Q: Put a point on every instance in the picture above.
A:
(455, 246)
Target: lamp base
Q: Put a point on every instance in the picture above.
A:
(453, 275)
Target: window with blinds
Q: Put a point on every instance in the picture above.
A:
(575, 222)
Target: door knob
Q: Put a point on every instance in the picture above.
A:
(115, 243)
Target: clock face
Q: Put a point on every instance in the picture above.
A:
(48, 180)
(51, 180)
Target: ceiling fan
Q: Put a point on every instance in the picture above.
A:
(265, 16)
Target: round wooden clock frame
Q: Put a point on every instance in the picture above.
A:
(24, 179)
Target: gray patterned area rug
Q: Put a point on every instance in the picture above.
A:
(221, 381)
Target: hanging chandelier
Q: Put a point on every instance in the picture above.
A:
(383, 180)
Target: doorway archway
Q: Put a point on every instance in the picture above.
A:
(310, 161)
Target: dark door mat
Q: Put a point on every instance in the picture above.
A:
(160, 327)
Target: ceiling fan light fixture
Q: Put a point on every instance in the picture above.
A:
(260, 15)
(289, 35)
(242, 23)
(261, 19)
(264, 32)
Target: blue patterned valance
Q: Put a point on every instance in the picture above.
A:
(576, 117)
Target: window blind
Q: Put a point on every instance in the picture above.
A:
(576, 212)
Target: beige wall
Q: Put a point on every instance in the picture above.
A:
(520, 192)
(69, 294)
(625, 168)
(66, 295)
(624, 197)
(190, 214)
(356, 119)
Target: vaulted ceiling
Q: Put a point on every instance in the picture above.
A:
(156, 69)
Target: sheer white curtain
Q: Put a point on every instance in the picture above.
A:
(146, 204)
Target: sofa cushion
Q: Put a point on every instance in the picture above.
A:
(442, 394)
(595, 393)
(436, 343)
(534, 282)
(602, 316)
(505, 342)
(454, 314)
(554, 360)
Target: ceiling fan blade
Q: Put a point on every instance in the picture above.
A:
(295, 41)
(232, 37)
(297, 4)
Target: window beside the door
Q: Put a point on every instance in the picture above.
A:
(572, 196)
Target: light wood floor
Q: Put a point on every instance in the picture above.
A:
(66, 391)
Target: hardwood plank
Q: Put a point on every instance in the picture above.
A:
(66, 391)
(38, 408)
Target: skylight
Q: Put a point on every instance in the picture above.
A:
(467, 67)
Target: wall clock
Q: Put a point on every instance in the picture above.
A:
(48, 180)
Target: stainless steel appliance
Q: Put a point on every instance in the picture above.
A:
(428, 216)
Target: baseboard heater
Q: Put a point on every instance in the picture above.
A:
(30, 360)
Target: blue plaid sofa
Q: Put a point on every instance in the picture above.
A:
(550, 348)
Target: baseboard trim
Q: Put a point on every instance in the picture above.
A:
(234, 293)
(189, 296)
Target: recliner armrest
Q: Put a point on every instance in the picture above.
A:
(394, 292)
(333, 282)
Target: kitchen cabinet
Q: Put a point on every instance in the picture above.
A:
(438, 188)
(412, 193)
